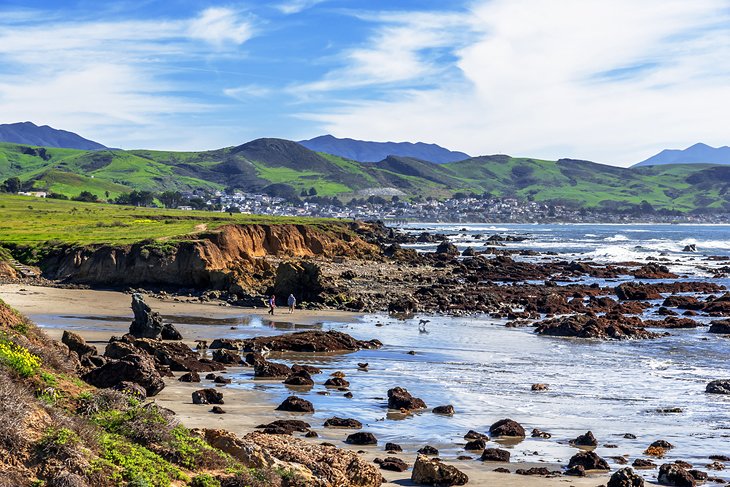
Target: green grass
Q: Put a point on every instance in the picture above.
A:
(29, 221)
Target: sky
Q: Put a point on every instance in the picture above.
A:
(612, 81)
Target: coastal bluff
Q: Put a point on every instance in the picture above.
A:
(231, 257)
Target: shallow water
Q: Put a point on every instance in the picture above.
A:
(485, 370)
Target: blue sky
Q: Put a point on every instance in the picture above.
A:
(611, 81)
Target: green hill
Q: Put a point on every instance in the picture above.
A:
(284, 167)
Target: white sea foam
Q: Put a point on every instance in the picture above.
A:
(617, 238)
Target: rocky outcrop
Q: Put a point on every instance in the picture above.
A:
(361, 438)
(336, 422)
(173, 356)
(428, 471)
(146, 323)
(588, 460)
(296, 404)
(399, 398)
(625, 478)
(507, 427)
(495, 455)
(207, 396)
(721, 327)
(77, 344)
(675, 475)
(586, 439)
(721, 386)
(304, 341)
(137, 369)
(612, 326)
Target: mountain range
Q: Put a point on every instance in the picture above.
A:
(696, 154)
(31, 134)
(365, 151)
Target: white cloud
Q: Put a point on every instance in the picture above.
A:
(246, 92)
(296, 6)
(219, 26)
(610, 81)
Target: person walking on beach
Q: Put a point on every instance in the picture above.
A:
(272, 304)
(292, 302)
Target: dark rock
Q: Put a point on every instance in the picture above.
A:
(630, 436)
(721, 386)
(361, 438)
(533, 471)
(207, 396)
(636, 291)
(190, 377)
(588, 460)
(169, 332)
(311, 434)
(475, 445)
(285, 427)
(210, 376)
(138, 369)
(539, 387)
(131, 389)
(301, 278)
(721, 327)
(474, 435)
(146, 324)
(336, 422)
(537, 433)
(228, 357)
(469, 252)
(501, 470)
(296, 404)
(495, 455)
(336, 382)
(506, 427)
(303, 341)
(222, 380)
(643, 463)
(447, 248)
(432, 472)
(393, 464)
(270, 370)
(662, 444)
(576, 471)
(428, 450)
(310, 369)
(625, 478)
(585, 440)
(673, 474)
(217, 410)
(612, 326)
(300, 377)
(698, 475)
(399, 398)
(405, 305)
(690, 248)
(445, 410)
(77, 344)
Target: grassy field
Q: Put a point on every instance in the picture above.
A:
(29, 221)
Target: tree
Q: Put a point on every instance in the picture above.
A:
(87, 197)
(171, 199)
(312, 192)
(141, 198)
(12, 185)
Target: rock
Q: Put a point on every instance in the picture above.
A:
(469, 252)
(146, 324)
(672, 322)
(138, 369)
(585, 440)
(361, 438)
(405, 304)
(336, 382)
(588, 460)
(673, 474)
(495, 455)
(576, 471)
(690, 248)
(296, 404)
(336, 422)
(721, 386)
(630, 436)
(311, 434)
(507, 427)
(303, 341)
(432, 472)
(175, 356)
(131, 389)
(222, 380)
(447, 248)
(303, 279)
(217, 410)
(721, 327)
(393, 464)
(625, 478)
(476, 445)
(664, 444)
(539, 387)
(698, 475)
(207, 396)
(284, 427)
(310, 369)
(300, 377)
(612, 326)
(633, 291)
(77, 344)
(428, 450)
(533, 471)
(399, 398)
(228, 357)
(501, 470)
(270, 370)
(190, 377)
(654, 271)
(537, 433)
(715, 466)
(474, 435)
(169, 332)
(643, 463)
(682, 302)
(445, 410)
(393, 447)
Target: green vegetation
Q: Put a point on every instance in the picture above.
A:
(18, 358)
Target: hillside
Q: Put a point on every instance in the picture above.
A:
(31, 134)
(285, 168)
(696, 154)
(364, 151)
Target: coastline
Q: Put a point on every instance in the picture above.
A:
(245, 408)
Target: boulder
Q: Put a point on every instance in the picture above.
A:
(495, 455)
(475, 435)
(400, 398)
(77, 344)
(137, 369)
(303, 341)
(469, 252)
(539, 387)
(611, 326)
(720, 386)
(296, 404)
(221, 380)
(303, 279)
(336, 382)
(169, 332)
(190, 377)
(207, 396)
(361, 438)
(589, 461)
(507, 427)
(300, 377)
(225, 356)
(447, 248)
(393, 447)
(131, 389)
(585, 440)
(445, 410)
(721, 327)
(285, 427)
(625, 478)
(146, 323)
(428, 471)
(643, 463)
(393, 464)
(675, 475)
(264, 369)
(336, 422)
(476, 445)
(636, 291)
(428, 450)
(405, 304)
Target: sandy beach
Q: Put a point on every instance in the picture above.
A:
(244, 408)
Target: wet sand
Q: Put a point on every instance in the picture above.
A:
(245, 408)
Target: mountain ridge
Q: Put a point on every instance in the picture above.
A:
(370, 151)
(698, 153)
(45, 136)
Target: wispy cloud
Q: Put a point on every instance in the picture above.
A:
(219, 25)
(613, 81)
(296, 6)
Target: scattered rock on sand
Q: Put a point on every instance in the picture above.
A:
(585, 440)
(393, 447)
(589, 461)
(399, 398)
(190, 377)
(393, 464)
(625, 478)
(336, 422)
(507, 427)
(476, 445)
(217, 410)
(270, 370)
(428, 450)
(675, 475)
(296, 404)
(432, 472)
(207, 396)
(284, 427)
(495, 455)
(576, 471)
(361, 438)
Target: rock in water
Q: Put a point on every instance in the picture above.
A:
(447, 248)
(673, 474)
(585, 440)
(296, 404)
(721, 386)
(507, 427)
(625, 478)
(400, 398)
(148, 323)
(589, 461)
(433, 472)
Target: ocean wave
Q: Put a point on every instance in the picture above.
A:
(617, 238)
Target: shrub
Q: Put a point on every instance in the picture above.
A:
(134, 463)
(18, 358)
(205, 480)
(15, 406)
